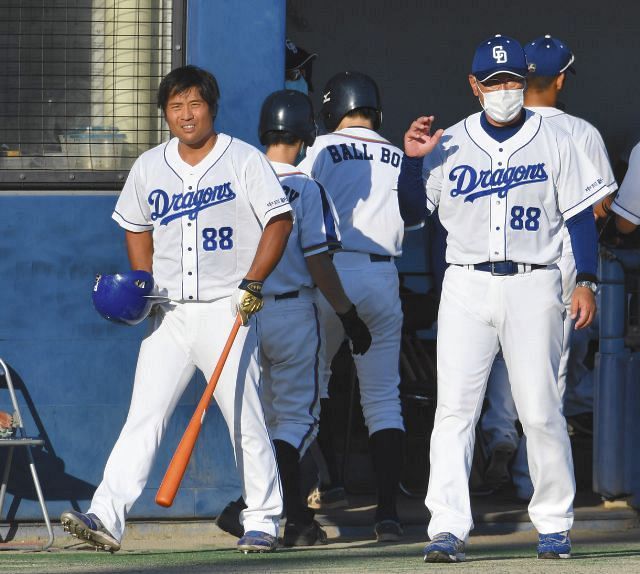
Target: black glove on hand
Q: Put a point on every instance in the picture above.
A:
(356, 330)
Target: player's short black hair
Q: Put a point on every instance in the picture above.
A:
(279, 137)
(367, 113)
(182, 79)
(540, 83)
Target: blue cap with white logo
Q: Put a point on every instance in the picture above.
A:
(499, 55)
(548, 56)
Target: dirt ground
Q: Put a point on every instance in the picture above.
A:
(593, 552)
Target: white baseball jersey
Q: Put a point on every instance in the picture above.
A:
(314, 230)
(587, 139)
(627, 202)
(509, 200)
(364, 167)
(359, 169)
(206, 219)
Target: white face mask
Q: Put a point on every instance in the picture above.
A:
(503, 106)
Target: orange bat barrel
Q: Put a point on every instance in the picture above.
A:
(178, 465)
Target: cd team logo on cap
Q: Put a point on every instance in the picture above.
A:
(499, 55)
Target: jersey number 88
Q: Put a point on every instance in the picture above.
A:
(214, 238)
(530, 222)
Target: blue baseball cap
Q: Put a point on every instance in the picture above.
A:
(548, 56)
(499, 55)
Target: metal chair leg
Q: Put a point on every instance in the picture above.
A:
(5, 477)
(25, 441)
(36, 483)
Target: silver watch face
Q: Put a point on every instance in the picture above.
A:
(588, 284)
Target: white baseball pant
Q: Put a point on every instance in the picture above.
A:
(523, 313)
(498, 421)
(373, 288)
(181, 338)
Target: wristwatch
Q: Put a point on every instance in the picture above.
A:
(593, 286)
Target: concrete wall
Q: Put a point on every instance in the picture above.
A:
(420, 53)
(242, 44)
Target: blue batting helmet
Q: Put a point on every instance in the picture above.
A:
(122, 297)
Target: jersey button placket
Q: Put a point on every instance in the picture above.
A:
(189, 251)
(498, 207)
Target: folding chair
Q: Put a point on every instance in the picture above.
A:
(21, 440)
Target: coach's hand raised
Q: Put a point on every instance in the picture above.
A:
(418, 140)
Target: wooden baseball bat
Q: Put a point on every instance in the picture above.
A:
(178, 465)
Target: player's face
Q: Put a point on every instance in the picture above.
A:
(189, 118)
(497, 82)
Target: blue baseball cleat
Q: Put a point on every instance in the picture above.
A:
(444, 547)
(256, 541)
(88, 527)
(554, 545)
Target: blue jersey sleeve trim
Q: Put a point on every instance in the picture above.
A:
(584, 241)
(329, 222)
(637, 216)
(573, 211)
(284, 207)
(145, 226)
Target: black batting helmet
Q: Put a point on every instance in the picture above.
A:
(346, 92)
(288, 111)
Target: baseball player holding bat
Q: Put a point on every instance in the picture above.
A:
(359, 170)
(207, 215)
(289, 327)
(505, 181)
(549, 60)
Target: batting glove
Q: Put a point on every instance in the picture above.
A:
(247, 299)
(356, 330)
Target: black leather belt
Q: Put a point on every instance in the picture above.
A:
(377, 258)
(504, 267)
(289, 295)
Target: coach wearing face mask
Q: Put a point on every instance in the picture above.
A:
(504, 181)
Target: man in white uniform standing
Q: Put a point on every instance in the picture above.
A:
(504, 182)
(359, 169)
(290, 339)
(205, 213)
(549, 60)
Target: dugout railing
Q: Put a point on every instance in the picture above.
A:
(616, 464)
